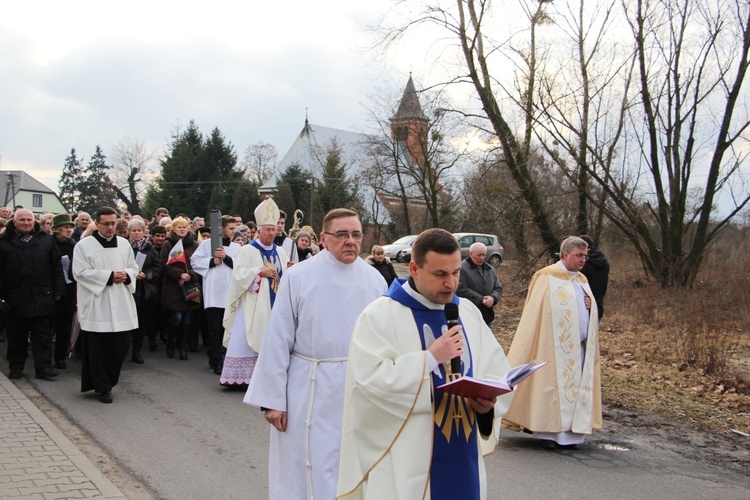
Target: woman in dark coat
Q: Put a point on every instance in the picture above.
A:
(147, 287)
(176, 275)
(65, 308)
(379, 261)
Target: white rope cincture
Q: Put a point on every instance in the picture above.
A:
(308, 419)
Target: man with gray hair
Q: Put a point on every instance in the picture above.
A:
(31, 280)
(479, 282)
(559, 324)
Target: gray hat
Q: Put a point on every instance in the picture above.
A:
(61, 220)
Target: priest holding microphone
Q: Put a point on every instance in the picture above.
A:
(400, 437)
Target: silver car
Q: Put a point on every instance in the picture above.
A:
(400, 250)
(495, 251)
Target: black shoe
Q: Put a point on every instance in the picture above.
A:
(153, 345)
(15, 373)
(183, 354)
(106, 397)
(217, 369)
(60, 364)
(193, 348)
(137, 358)
(46, 373)
(170, 351)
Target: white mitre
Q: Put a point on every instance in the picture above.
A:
(267, 213)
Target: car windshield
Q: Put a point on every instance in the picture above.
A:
(404, 241)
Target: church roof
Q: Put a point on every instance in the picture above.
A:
(310, 147)
(409, 108)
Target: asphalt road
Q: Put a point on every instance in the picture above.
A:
(184, 436)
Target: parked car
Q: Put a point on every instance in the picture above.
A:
(400, 250)
(495, 251)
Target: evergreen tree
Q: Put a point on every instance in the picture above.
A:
(96, 189)
(336, 190)
(245, 199)
(70, 180)
(197, 174)
(293, 190)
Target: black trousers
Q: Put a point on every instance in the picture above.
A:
(214, 317)
(103, 355)
(18, 331)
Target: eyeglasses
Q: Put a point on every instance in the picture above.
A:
(114, 223)
(580, 256)
(344, 235)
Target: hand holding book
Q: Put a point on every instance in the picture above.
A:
(470, 387)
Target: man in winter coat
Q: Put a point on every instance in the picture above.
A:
(31, 279)
(479, 282)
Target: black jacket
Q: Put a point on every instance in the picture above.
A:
(31, 274)
(596, 271)
(150, 287)
(385, 268)
(475, 283)
(66, 246)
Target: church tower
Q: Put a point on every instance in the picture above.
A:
(409, 125)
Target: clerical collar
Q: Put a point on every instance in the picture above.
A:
(562, 266)
(421, 298)
(105, 242)
(265, 247)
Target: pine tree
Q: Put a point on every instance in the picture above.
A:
(96, 188)
(336, 190)
(197, 174)
(70, 181)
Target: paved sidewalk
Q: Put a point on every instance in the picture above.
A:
(37, 460)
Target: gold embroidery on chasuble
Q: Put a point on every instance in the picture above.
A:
(566, 340)
(454, 414)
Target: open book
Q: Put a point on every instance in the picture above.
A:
(469, 387)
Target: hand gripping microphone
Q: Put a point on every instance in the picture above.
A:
(451, 317)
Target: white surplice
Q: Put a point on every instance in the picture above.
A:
(302, 367)
(216, 278)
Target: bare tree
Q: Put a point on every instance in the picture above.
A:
(133, 163)
(260, 162)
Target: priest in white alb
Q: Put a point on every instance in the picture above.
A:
(563, 402)
(257, 270)
(299, 378)
(401, 438)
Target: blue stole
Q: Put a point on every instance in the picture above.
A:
(270, 258)
(454, 472)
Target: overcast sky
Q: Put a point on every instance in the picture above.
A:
(80, 73)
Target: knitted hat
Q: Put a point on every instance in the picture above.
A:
(62, 220)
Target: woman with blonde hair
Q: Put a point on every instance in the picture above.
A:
(177, 273)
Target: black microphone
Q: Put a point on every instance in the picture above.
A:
(451, 317)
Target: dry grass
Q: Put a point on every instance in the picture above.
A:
(674, 352)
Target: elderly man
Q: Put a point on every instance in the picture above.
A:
(82, 222)
(252, 292)
(6, 213)
(31, 280)
(299, 378)
(479, 282)
(216, 269)
(559, 324)
(401, 438)
(106, 272)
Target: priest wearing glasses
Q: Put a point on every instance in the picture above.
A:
(299, 377)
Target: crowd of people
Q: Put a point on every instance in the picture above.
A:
(341, 355)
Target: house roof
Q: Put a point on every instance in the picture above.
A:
(21, 182)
